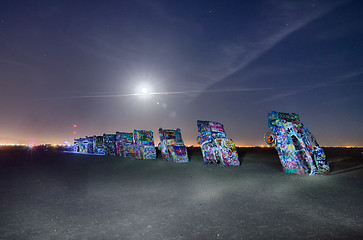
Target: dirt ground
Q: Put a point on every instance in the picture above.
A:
(58, 195)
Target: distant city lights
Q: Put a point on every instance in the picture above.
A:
(67, 144)
(32, 145)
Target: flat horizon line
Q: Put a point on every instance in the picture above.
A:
(238, 146)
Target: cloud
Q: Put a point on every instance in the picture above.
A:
(160, 93)
(281, 20)
(280, 95)
(336, 82)
(348, 76)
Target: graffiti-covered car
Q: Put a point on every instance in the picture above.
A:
(216, 148)
(81, 145)
(172, 146)
(76, 145)
(90, 145)
(144, 144)
(124, 144)
(109, 144)
(98, 145)
(298, 150)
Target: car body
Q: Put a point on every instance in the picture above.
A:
(76, 145)
(124, 144)
(172, 146)
(109, 144)
(98, 145)
(216, 148)
(90, 145)
(298, 150)
(80, 145)
(144, 144)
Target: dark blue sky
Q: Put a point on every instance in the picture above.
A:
(80, 62)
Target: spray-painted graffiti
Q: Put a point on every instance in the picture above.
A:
(109, 144)
(124, 144)
(90, 148)
(172, 146)
(216, 148)
(297, 148)
(144, 144)
(98, 145)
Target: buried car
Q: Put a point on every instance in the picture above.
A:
(109, 144)
(90, 145)
(172, 146)
(76, 145)
(298, 150)
(216, 148)
(144, 144)
(98, 145)
(124, 144)
(81, 145)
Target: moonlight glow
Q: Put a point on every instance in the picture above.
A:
(144, 91)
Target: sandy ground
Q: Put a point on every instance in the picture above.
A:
(56, 195)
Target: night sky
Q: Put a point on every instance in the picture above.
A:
(85, 62)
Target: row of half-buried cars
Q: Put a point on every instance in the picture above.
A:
(298, 150)
(139, 144)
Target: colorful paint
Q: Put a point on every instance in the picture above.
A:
(297, 148)
(144, 144)
(83, 145)
(90, 145)
(216, 148)
(124, 144)
(109, 144)
(172, 146)
(76, 145)
(98, 145)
